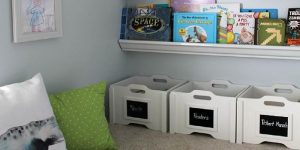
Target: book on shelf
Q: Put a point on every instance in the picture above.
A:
(293, 27)
(189, 5)
(148, 3)
(258, 14)
(243, 29)
(152, 24)
(224, 11)
(195, 27)
(271, 32)
(152, 5)
(273, 13)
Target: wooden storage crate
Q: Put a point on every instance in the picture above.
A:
(142, 100)
(269, 114)
(205, 107)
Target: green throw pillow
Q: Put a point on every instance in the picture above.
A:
(80, 115)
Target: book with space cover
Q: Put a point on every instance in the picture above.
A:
(189, 5)
(195, 27)
(273, 13)
(271, 32)
(152, 24)
(293, 27)
(224, 11)
(243, 28)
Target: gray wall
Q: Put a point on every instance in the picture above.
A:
(88, 51)
(204, 68)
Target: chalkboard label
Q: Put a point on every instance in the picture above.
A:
(202, 117)
(274, 125)
(137, 109)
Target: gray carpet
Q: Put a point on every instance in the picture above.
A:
(139, 138)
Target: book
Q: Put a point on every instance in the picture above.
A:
(152, 5)
(293, 27)
(189, 5)
(146, 24)
(195, 27)
(259, 14)
(149, 3)
(273, 13)
(271, 32)
(243, 28)
(224, 10)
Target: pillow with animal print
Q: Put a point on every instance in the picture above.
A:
(27, 121)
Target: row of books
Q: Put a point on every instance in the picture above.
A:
(212, 23)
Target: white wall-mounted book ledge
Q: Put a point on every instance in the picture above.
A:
(250, 51)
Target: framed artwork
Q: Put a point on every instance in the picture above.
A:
(36, 19)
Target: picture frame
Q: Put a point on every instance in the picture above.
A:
(36, 20)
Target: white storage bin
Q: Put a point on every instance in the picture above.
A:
(205, 107)
(142, 100)
(269, 114)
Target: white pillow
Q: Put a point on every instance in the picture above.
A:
(27, 121)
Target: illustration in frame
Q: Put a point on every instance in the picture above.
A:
(36, 19)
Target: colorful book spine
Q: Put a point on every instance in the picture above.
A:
(273, 13)
(123, 23)
(271, 32)
(293, 27)
(195, 27)
(152, 5)
(223, 10)
(189, 5)
(259, 15)
(243, 28)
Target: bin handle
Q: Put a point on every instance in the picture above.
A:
(160, 79)
(138, 89)
(223, 84)
(274, 101)
(284, 88)
(202, 95)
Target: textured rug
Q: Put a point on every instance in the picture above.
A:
(140, 138)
